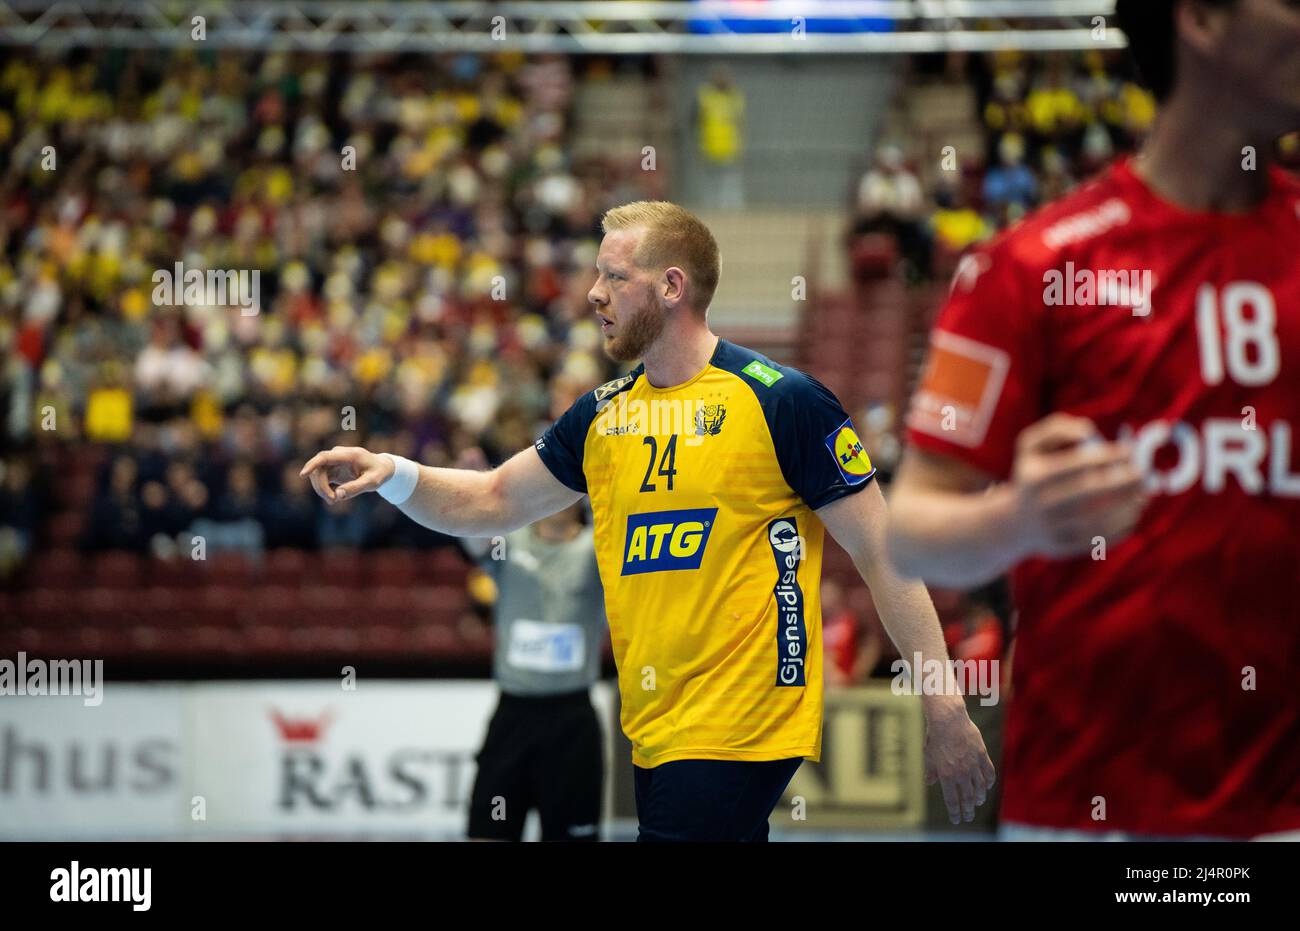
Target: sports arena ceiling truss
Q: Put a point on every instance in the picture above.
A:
(630, 27)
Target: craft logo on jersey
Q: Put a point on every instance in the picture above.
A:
(664, 541)
(791, 636)
(709, 418)
(853, 461)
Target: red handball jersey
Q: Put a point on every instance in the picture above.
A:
(1159, 685)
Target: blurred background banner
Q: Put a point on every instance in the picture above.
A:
(871, 772)
(249, 760)
(120, 772)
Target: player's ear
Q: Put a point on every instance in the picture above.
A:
(1199, 24)
(673, 286)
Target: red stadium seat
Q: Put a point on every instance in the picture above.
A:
(233, 569)
(437, 642)
(223, 605)
(58, 568)
(440, 605)
(49, 608)
(98, 641)
(339, 567)
(476, 640)
(446, 565)
(74, 490)
(273, 640)
(384, 639)
(319, 638)
(178, 572)
(119, 570)
(213, 640)
(286, 566)
(390, 605)
(105, 607)
(271, 603)
(65, 528)
(36, 640)
(162, 602)
(335, 606)
(393, 567)
(146, 638)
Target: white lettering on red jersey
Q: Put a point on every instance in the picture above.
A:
(1164, 679)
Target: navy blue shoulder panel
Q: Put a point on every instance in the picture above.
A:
(561, 446)
(814, 439)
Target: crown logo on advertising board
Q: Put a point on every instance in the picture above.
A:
(301, 730)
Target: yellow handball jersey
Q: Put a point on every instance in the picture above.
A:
(709, 551)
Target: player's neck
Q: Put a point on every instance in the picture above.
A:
(679, 354)
(1201, 164)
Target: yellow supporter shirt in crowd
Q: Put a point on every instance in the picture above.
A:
(108, 415)
(720, 114)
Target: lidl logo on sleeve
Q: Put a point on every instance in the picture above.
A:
(853, 462)
(764, 373)
(662, 541)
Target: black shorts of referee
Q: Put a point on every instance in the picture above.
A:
(544, 753)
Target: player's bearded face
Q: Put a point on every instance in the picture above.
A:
(635, 331)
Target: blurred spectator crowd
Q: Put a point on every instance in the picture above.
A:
(425, 246)
(1045, 122)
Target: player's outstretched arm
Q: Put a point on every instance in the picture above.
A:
(951, 526)
(461, 502)
(475, 548)
(955, 755)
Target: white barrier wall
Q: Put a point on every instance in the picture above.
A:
(247, 759)
(68, 770)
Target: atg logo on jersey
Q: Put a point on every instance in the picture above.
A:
(853, 462)
(661, 541)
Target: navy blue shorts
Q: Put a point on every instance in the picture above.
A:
(709, 800)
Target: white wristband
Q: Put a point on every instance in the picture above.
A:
(401, 484)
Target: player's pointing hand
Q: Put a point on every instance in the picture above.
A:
(346, 471)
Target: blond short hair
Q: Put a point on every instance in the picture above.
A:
(673, 236)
